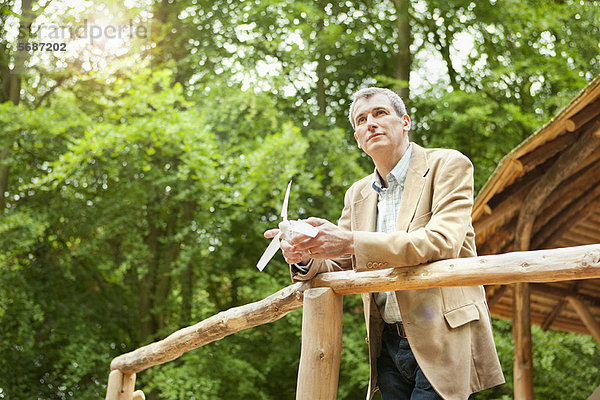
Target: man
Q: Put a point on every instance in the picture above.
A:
(415, 208)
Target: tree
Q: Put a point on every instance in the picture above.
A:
(138, 195)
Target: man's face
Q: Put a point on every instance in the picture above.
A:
(379, 131)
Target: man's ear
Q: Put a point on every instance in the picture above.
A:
(407, 122)
(356, 137)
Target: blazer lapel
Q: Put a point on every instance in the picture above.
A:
(413, 187)
(365, 210)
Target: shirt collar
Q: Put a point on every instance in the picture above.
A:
(396, 175)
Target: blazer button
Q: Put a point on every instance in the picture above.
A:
(380, 265)
(369, 264)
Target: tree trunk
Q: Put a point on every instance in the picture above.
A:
(147, 283)
(11, 82)
(187, 294)
(160, 32)
(321, 98)
(3, 177)
(27, 17)
(187, 275)
(444, 48)
(403, 59)
(168, 253)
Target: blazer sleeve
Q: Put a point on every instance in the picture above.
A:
(338, 264)
(432, 236)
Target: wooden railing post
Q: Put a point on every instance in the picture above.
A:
(523, 358)
(120, 387)
(319, 368)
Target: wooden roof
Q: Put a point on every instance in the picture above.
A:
(546, 194)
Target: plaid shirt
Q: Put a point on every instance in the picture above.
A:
(388, 206)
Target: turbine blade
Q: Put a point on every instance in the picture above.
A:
(285, 202)
(269, 252)
(304, 228)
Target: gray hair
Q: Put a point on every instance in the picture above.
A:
(366, 93)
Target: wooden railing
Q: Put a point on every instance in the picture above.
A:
(322, 302)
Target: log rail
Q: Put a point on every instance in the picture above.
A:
(323, 294)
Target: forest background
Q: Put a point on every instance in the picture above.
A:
(139, 174)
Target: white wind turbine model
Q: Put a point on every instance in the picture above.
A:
(286, 227)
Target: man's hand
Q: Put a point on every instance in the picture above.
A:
(330, 242)
(291, 256)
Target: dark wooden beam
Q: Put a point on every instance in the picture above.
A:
(584, 237)
(586, 317)
(500, 239)
(595, 218)
(515, 184)
(555, 292)
(589, 230)
(562, 323)
(523, 355)
(546, 152)
(566, 193)
(557, 309)
(555, 229)
(496, 295)
(503, 212)
(561, 169)
(509, 202)
(553, 314)
(585, 115)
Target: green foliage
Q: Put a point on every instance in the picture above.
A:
(141, 201)
(470, 123)
(565, 364)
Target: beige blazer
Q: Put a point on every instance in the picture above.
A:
(449, 329)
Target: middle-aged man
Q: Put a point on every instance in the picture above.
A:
(415, 208)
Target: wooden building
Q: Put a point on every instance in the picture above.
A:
(546, 194)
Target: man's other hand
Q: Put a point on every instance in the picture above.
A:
(291, 256)
(331, 242)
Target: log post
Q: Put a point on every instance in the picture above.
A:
(586, 316)
(319, 367)
(127, 387)
(115, 379)
(523, 357)
(120, 386)
(139, 395)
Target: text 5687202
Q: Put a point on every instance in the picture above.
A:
(34, 46)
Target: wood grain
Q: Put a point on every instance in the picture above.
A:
(580, 262)
(319, 368)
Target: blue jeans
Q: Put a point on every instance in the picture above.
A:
(399, 377)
